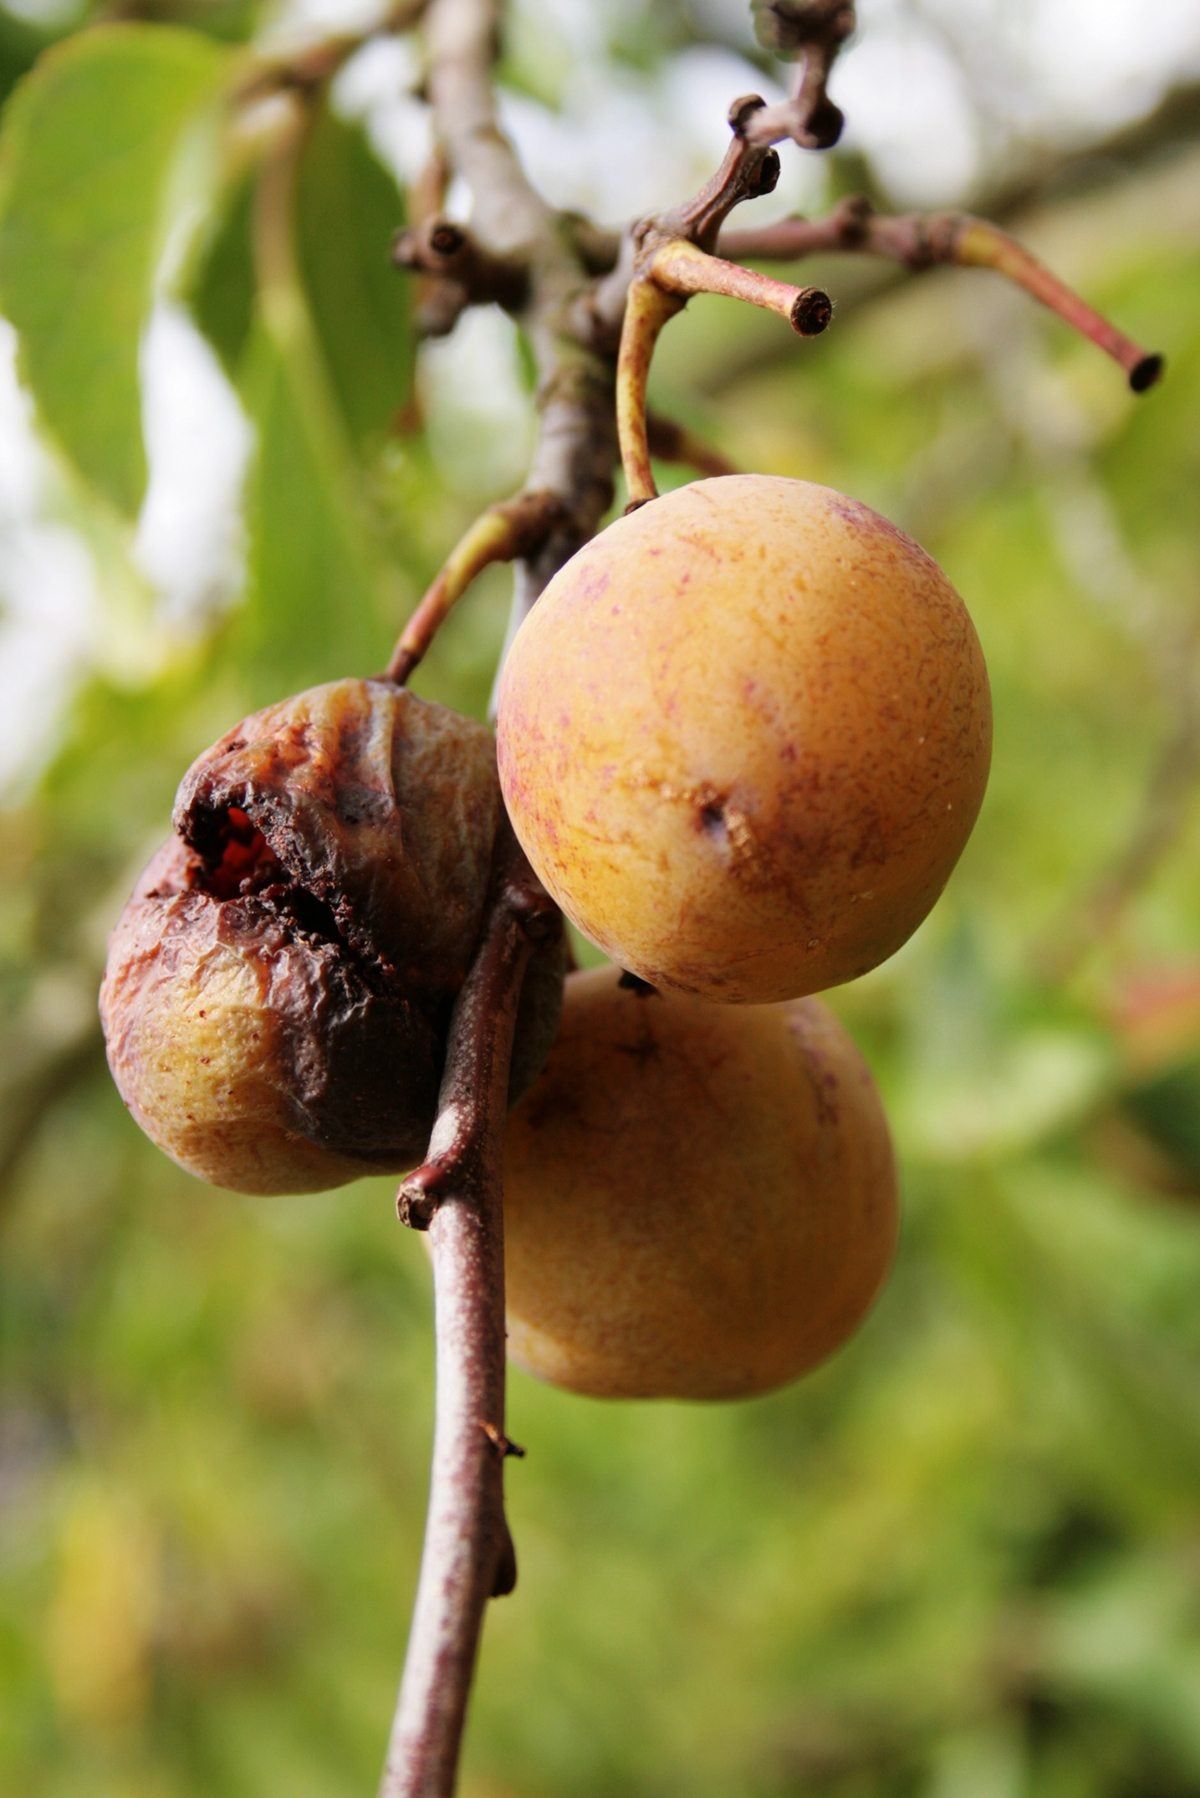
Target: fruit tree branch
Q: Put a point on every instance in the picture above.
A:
(456, 1195)
(522, 255)
(520, 252)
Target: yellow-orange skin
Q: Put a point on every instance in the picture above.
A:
(700, 1200)
(744, 736)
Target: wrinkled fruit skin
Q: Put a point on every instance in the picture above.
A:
(279, 986)
(700, 1200)
(744, 736)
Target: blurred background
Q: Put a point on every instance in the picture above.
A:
(963, 1559)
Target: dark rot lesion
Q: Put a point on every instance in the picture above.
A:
(279, 987)
(241, 861)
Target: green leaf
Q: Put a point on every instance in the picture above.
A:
(20, 46)
(347, 211)
(314, 609)
(90, 153)
(219, 288)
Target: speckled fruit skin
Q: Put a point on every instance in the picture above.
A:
(700, 1200)
(743, 738)
(279, 985)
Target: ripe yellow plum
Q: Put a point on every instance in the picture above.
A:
(700, 1200)
(744, 736)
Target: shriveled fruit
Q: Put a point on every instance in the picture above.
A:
(700, 1200)
(278, 987)
(744, 736)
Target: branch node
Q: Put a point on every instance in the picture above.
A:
(742, 111)
(445, 251)
(769, 170)
(417, 1200)
(446, 238)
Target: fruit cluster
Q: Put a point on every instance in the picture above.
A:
(742, 738)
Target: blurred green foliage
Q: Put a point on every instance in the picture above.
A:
(962, 1560)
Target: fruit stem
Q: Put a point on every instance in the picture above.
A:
(647, 310)
(673, 272)
(503, 533)
(921, 241)
(457, 1195)
(978, 244)
(681, 268)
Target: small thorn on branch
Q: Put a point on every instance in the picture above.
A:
(503, 1445)
(419, 1195)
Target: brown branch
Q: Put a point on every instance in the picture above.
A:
(468, 1555)
(812, 32)
(515, 528)
(671, 441)
(462, 271)
(462, 40)
(523, 256)
(920, 241)
(313, 66)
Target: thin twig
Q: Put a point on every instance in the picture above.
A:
(921, 241)
(812, 32)
(514, 528)
(314, 65)
(671, 441)
(468, 1555)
